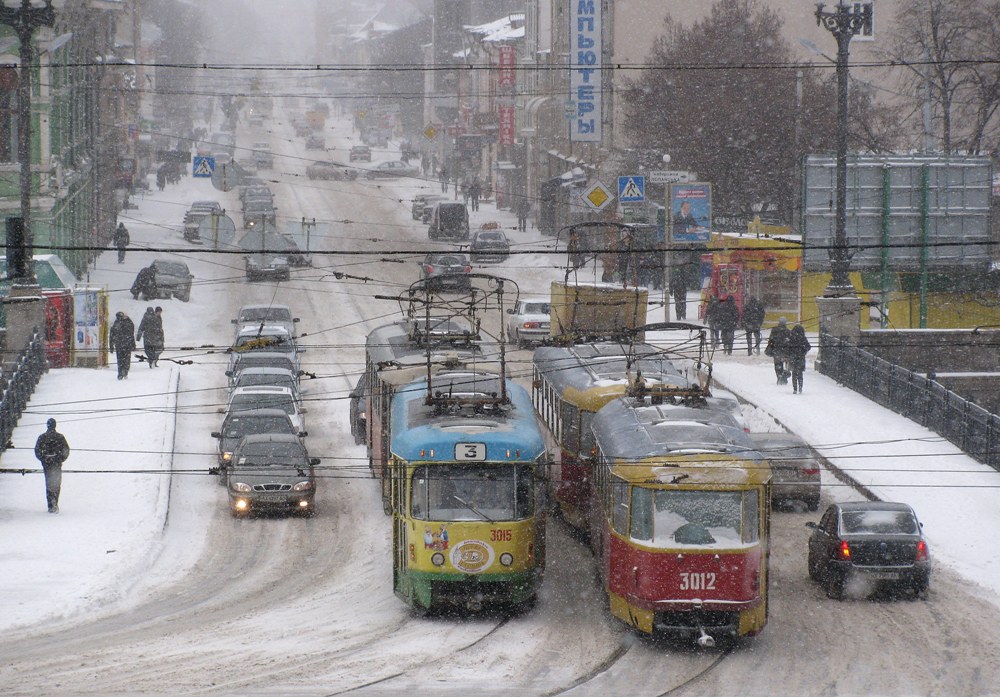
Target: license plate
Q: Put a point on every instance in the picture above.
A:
(271, 498)
(884, 575)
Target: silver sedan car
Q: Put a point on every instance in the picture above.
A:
(795, 468)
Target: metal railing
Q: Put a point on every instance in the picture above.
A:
(18, 384)
(919, 398)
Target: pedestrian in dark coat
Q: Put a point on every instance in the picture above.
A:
(777, 349)
(679, 291)
(728, 319)
(145, 283)
(751, 319)
(121, 240)
(475, 191)
(161, 177)
(798, 347)
(523, 207)
(51, 449)
(443, 178)
(121, 342)
(151, 334)
(712, 319)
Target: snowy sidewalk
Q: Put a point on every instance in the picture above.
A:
(898, 460)
(115, 491)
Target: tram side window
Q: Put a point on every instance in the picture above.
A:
(570, 427)
(641, 527)
(751, 516)
(619, 501)
(586, 433)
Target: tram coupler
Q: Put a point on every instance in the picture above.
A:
(705, 641)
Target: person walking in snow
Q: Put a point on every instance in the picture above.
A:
(145, 283)
(151, 334)
(728, 319)
(751, 319)
(777, 349)
(475, 191)
(121, 342)
(121, 240)
(51, 449)
(796, 350)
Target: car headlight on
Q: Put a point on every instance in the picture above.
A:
(242, 487)
(227, 456)
(303, 486)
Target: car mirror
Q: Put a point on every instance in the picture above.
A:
(234, 321)
(510, 311)
(314, 461)
(216, 434)
(220, 410)
(812, 525)
(303, 411)
(296, 319)
(303, 434)
(229, 373)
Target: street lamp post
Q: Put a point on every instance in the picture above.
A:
(24, 19)
(844, 21)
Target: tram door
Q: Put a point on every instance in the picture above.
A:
(397, 477)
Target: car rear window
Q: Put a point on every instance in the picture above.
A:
(536, 309)
(452, 213)
(879, 522)
(240, 426)
(171, 268)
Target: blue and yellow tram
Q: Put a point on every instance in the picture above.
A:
(467, 466)
(401, 352)
(680, 522)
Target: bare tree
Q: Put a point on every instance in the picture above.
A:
(951, 48)
(721, 98)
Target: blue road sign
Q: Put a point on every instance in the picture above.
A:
(203, 167)
(632, 189)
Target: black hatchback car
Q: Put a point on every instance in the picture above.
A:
(489, 245)
(875, 540)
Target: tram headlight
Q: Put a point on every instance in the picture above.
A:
(241, 487)
(437, 559)
(506, 558)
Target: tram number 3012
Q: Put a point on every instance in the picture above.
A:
(700, 581)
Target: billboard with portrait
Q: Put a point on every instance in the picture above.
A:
(690, 207)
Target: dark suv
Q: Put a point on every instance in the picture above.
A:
(449, 221)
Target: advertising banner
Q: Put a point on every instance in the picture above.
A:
(506, 60)
(690, 207)
(506, 114)
(585, 63)
(90, 316)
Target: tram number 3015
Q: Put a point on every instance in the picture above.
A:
(699, 581)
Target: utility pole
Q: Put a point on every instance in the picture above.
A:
(839, 308)
(844, 21)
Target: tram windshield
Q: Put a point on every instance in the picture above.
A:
(671, 518)
(479, 492)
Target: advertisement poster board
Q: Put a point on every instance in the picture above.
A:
(690, 207)
(90, 315)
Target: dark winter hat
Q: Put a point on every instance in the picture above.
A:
(782, 320)
(51, 423)
(119, 314)
(159, 309)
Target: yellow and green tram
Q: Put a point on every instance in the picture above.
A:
(467, 473)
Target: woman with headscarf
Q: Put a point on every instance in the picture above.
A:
(151, 334)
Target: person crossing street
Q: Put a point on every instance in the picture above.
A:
(121, 240)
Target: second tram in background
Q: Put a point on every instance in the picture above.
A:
(467, 474)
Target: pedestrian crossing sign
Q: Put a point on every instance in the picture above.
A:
(632, 189)
(203, 167)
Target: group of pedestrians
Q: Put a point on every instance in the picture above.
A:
(121, 341)
(786, 347)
